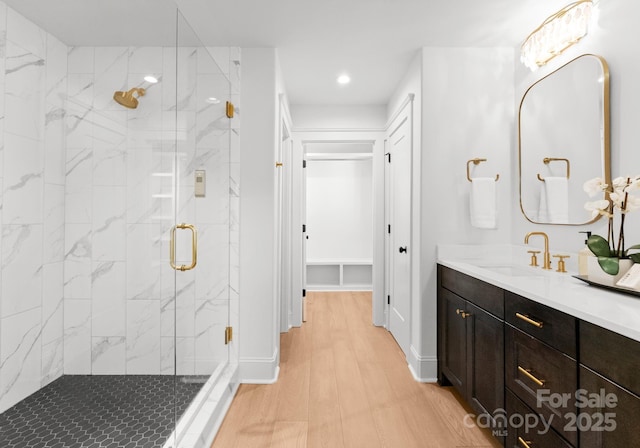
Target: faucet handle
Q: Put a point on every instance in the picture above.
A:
(561, 264)
(534, 258)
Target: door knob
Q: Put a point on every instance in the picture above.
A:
(403, 249)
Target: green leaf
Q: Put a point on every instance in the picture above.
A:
(635, 258)
(610, 265)
(599, 246)
(636, 247)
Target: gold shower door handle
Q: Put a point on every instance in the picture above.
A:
(194, 247)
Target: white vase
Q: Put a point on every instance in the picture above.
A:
(596, 274)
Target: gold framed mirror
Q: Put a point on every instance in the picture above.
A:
(564, 140)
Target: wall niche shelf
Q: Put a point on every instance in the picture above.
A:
(339, 275)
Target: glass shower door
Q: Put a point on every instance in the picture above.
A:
(197, 236)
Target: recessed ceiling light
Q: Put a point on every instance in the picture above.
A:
(344, 79)
(212, 100)
(151, 79)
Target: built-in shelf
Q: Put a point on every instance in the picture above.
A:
(337, 275)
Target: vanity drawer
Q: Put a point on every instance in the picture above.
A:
(484, 295)
(605, 423)
(610, 354)
(547, 324)
(541, 376)
(532, 435)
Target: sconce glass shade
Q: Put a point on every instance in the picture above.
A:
(557, 33)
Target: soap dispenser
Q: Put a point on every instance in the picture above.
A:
(583, 256)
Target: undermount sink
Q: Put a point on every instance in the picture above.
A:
(512, 270)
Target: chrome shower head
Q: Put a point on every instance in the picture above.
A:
(127, 99)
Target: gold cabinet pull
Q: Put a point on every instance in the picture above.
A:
(527, 373)
(194, 248)
(524, 443)
(528, 320)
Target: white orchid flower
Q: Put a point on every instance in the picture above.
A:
(620, 183)
(594, 186)
(596, 208)
(634, 185)
(617, 197)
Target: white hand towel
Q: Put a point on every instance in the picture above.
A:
(554, 200)
(483, 203)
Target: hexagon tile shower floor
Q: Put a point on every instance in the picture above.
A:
(98, 411)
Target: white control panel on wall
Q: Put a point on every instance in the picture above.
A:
(200, 185)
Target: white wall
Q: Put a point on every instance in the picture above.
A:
(340, 209)
(614, 39)
(460, 117)
(338, 117)
(33, 84)
(467, 113)
(258, 304)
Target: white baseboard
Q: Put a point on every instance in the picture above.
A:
(423, 368)
(259, 370)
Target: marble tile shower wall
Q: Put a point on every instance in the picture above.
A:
(119, 302)
(85, 211)
(32, 92)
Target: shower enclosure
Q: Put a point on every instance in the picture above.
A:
(119, 235)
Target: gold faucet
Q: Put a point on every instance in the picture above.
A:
(547, 257)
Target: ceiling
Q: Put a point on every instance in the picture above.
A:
(373, 40)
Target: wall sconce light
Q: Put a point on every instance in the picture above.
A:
(557, 33)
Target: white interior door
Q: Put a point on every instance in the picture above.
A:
(286, 308)
(282, 320)
(388, 256)
(399, 148)
(305, 237)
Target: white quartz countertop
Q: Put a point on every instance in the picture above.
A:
(508, 270)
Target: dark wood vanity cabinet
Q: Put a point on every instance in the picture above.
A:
(485, 361)
(503, 352)
(471, 340)
(536, 435)
(611, 420)
(610, 384)
(453, 330)
(550, 326)
(540, 362)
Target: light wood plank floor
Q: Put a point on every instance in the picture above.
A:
(344, 384)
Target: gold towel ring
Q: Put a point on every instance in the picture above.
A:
(477, 161)
(547, 160)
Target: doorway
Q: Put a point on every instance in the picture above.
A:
(327, 146)
(339, 216)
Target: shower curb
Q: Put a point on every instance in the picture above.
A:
(201, 421)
